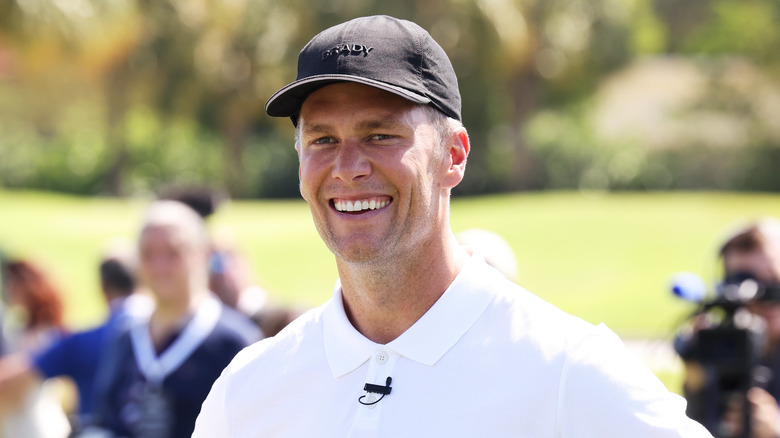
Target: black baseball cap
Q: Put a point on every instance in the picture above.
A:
(394, 55)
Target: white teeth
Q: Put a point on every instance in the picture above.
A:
(360, 205)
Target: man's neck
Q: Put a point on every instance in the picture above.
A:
(384, 299)
(171, 315)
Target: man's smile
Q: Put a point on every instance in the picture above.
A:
(360, 205)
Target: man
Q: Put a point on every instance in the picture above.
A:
(750, 254)
(230, 275)
(419, 339)
(77, 356)
(158, 373)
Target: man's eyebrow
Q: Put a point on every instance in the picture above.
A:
(315, 129)
(364, 125)
(383, 123)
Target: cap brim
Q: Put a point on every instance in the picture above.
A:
(288, 100)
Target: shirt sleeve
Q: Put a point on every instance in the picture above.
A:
(212, 420)
(53, 361)
(606, 392)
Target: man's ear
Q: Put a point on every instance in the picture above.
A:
(457, 153)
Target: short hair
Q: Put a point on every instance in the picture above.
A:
(117, 277)
(757, 234)
(118, 268)
(175, 214)
(204, 200)
(443, 125)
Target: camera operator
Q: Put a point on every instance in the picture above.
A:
(750, 257)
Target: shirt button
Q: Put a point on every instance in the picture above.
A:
(381, 357)
(370, 401)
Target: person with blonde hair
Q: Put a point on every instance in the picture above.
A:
(157, 374)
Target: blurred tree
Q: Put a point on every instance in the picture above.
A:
(723, 27)
(124, 96)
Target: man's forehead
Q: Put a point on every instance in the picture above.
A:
(383, 110)
(756, 262)
(367, 123)
(163, 234)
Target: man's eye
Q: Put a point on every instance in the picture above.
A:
(379, 137)
(323, 140)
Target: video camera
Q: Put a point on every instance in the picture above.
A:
(728, 341)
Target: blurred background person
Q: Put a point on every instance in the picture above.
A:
(158, 373)
(77, 356)
(231, 278)
(3, 342)
(230, 273)
(2, 330)
(4, 345)
(492, 247)
(750, 260)
(34, 320)
(35, 304)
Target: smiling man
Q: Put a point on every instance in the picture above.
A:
(420, 339)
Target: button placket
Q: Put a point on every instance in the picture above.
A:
(381, 367)
(367, 418)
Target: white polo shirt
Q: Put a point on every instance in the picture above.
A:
(488, 359)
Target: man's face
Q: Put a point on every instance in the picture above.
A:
(371, 169)
(168, 262)
(762, 262)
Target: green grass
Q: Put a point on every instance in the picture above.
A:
(609, 257)
(604, 257)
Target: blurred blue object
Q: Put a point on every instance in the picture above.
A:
(689, 287)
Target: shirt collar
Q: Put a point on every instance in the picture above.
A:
(427, 340)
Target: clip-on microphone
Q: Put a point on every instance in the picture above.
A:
(376, 389)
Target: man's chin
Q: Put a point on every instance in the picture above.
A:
(166, 292)
(359, 254)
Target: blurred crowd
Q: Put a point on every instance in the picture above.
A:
(181, 300)
(181, 303)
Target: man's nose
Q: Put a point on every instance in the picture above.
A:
(351, 162)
